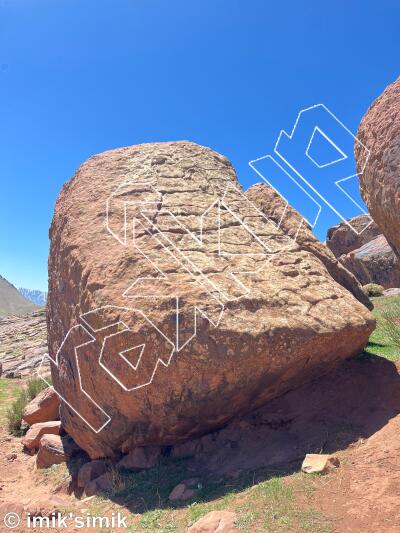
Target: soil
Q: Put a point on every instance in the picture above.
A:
(354, 413)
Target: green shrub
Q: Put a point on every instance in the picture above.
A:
(34, 386)
(373, 290)
(15, 412)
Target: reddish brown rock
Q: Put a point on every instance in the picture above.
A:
(32, 438)
(392, 292)
(348, 236)
(215, 522)
(54, 449)
(375, 262)
(379, 131)
(293, 224)
(101, 484)
(278, 321)
(44, 408)
(140, 458)
(90, 471)
(185, 490)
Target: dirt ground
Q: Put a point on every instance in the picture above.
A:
(354, 413)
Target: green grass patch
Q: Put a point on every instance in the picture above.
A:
(382, 342)
(14, 414)
(261, 504)
(36, 385)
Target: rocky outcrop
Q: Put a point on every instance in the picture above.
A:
(293, 224)
(348, 236)
(175, 304)
(379, 131)
(23, 344)
(43, 408)
(374, 262)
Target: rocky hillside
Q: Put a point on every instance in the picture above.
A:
(23, 343)
(11, 300)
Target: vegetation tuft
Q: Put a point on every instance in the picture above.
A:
(373, 290)
(16, 410)
(385, 340)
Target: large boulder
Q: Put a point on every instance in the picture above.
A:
(374, 262)
(348, 236)
(175, 303)
(292, 224)
(379, 131)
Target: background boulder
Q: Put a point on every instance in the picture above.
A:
(175, 303)
(379, 131)
(348, 236)
(374, 262)
(367, 255)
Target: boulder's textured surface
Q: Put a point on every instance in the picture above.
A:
(32, 438)
(346, 237)
(374, 262)
(175, 304)
(379, 131)
(44, 408)
(292, 224)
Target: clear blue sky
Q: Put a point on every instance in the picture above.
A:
(78, 77)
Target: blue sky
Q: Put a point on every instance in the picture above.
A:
(78, 77)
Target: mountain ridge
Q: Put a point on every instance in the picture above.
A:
(34, 295)
(12, 302)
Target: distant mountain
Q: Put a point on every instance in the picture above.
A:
(11, 300)
(37, 297)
